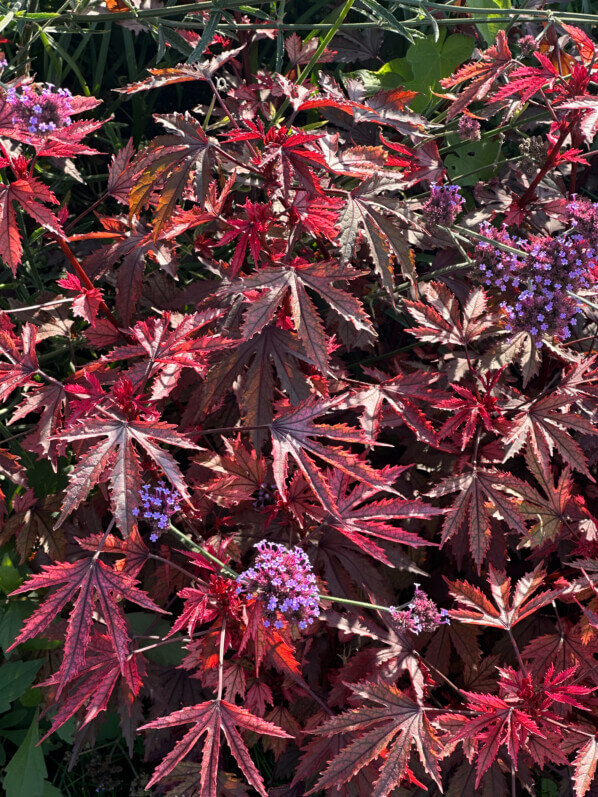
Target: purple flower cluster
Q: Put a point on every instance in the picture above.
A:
(283, 580)
(527, 45)
(443, 206)
(583, 216)
(421, 614)
(537, 284)
(469, 128)
(40, 111)
(158, 506)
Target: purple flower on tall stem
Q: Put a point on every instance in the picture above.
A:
(157, 507)
(422, 614)
(283, 581)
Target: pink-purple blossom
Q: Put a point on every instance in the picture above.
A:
(469, 128)
(283, 581)
(538, 284)
(422, 614)
(443, 206)
(157, 507)
(40, 109)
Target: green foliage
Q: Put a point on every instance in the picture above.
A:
(424, 64)
(26, 772)
(489, 29)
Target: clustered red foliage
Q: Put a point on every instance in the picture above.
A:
(241, 410)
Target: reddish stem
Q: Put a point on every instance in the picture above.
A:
(78, 268)
(549, 163)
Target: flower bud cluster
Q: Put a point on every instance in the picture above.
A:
(40, 111)
(537, 285)
(527, 45)
(443, 206)
(422, 614)
(283, 580)
(157, 506)
(469, 128)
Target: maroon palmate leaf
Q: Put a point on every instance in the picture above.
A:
(95, 684)
(564, 647)
(30, 194)
(387, 662)
(99, 587)
(550, 515)
(22, 362)
(508, 609)
(497, 722)
(440, 320)
(166, 348)
(479, 496)
(131, 243)
(473, 410)
(117, 454)
(132, 550)
(292, 280)
(543, 425)
(273, 351)
(370, 217)
(392, 726)
(404, 395)
(359, 518)
(251, 234)
(168, 163)
(210, 718)
(293, 434)
(31, 524)
(238, 473)
(287, 156)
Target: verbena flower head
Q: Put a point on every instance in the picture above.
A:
(527, 45)
(157, 507)
(40, 110)
(537, 285)
(583, 216)
(422, 614)
(443, 206)
(283, 580)
(469, 129)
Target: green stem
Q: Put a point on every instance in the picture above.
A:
(583, 300)
(305, 73)
(349, 602)
(193, 546)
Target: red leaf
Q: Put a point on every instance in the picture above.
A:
(508, 609)
(394, 722)
(292, 435)
(93, 581)
(116, 454)
(211, 718)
